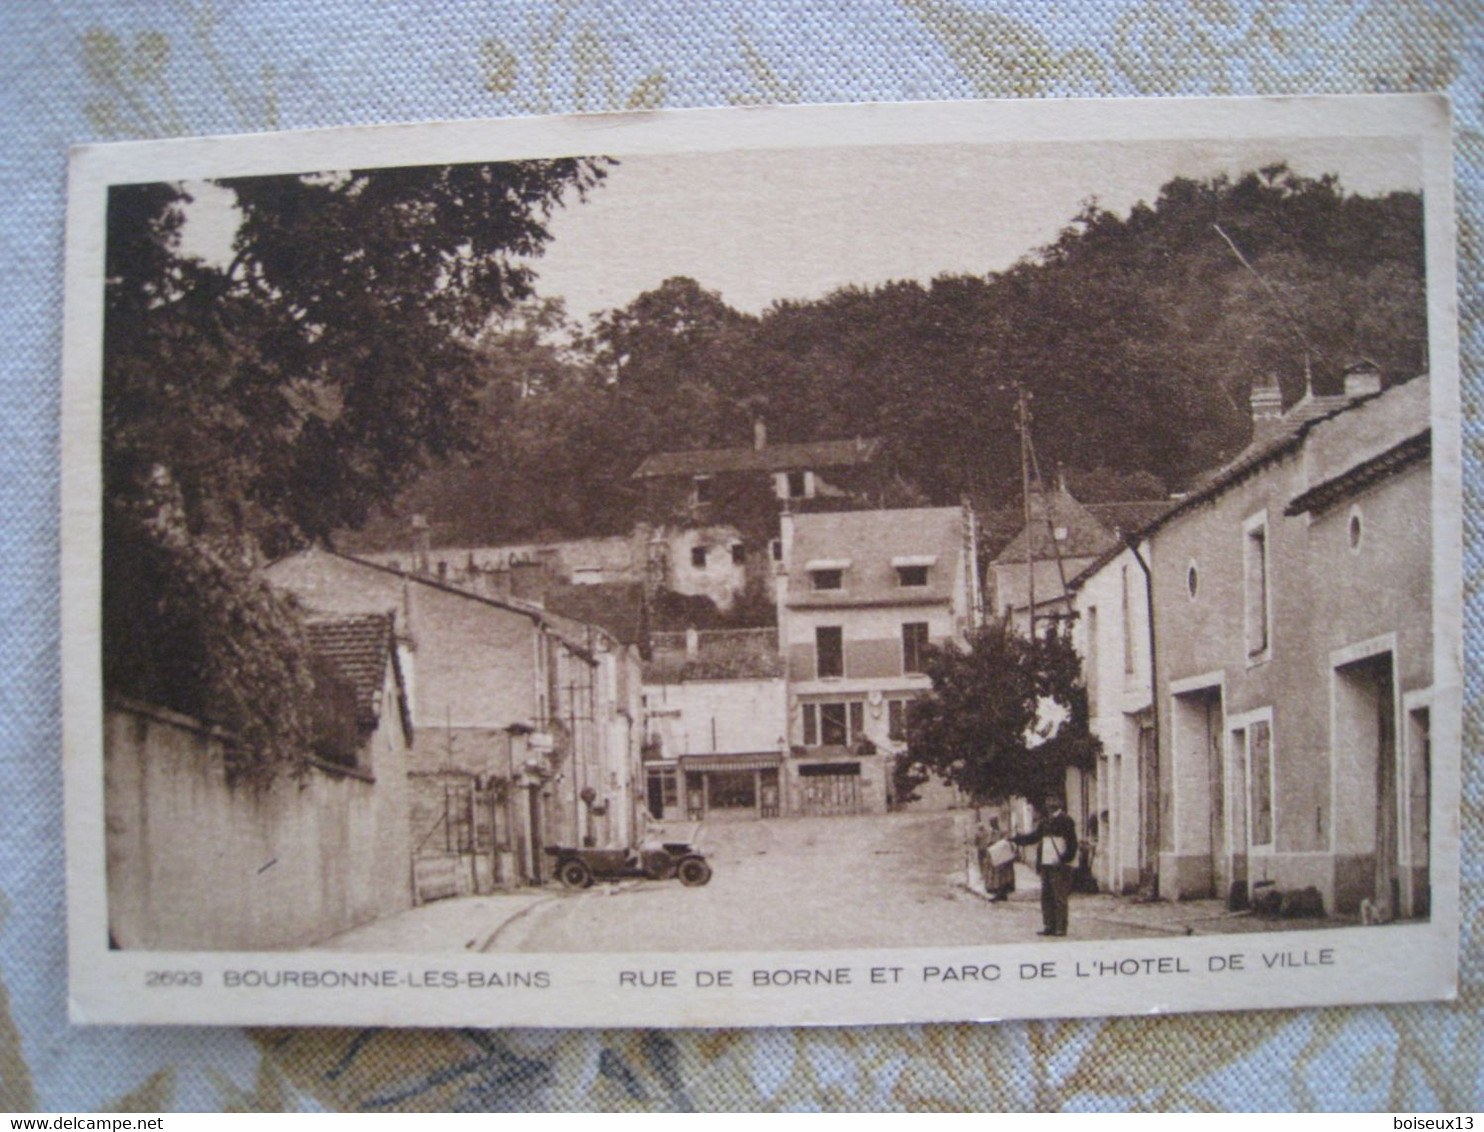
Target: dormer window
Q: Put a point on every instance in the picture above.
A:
(827, 573)
(913, 570)
(701, 491)
(794, 485)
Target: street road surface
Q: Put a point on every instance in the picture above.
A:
(883, 881)
(889, 881)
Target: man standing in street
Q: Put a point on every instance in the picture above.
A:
(1055, 839)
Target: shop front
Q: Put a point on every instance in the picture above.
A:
(738, 787)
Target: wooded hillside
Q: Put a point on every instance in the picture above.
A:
(1138, 337)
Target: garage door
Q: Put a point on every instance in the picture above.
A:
(830, 788)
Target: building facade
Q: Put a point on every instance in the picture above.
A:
(527, 726)
(861, 594)
(1294, 635)
(717, 714)
(1111, 634)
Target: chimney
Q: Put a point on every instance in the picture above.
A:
(1362, 378)
(759, 434)
(692, 643)
(1267, 409)
(422, 544)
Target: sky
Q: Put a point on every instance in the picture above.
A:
(759, 226)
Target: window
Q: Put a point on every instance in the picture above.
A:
(739, 554)
(775, 549)
(914, 642)
(1355, 530)
(1192, 581)
(1418, 803)
(829, 651)
(698, 557)
(701, 491)
(912, 575)
(1126, 621)
(896, 720)
(827, 573)
(1090, 660)
(1260, 771)
(834, 724)
(833, 730)
(1255, 572)
(828, 579)
(731, 790)
(798, 484)
(663, 792)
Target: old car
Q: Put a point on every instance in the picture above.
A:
(578, 868)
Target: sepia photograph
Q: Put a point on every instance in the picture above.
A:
(854, 564)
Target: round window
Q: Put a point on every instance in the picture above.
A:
(1355, 531)
(1192, 581)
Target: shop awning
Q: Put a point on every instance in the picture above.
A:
(756, 760)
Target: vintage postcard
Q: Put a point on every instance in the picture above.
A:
(821, 565)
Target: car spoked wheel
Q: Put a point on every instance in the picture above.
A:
(574, 874)
(693, 871)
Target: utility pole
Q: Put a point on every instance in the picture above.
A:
(1149, 773)
(1023, 415)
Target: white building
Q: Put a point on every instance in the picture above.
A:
(861, 594)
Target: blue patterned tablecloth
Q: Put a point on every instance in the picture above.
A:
(115, 69)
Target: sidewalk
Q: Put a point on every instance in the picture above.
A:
(1159, 917)
(460, 923)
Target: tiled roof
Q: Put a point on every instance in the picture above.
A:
(1280, 434)
(359, 648)
(769, 458)
(1125, 518)
(871, 539)
(746, 654)
(575, 634)
(617, 607)
(1086, 534)
(1287, 436)
(1325, 495)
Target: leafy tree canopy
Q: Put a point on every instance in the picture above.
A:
(252, 406)
(1137, 336)
(1006, 716)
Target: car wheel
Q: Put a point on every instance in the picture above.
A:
(693, 871)
(574, 873)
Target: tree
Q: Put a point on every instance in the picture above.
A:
(1137, 336)
(253, 406)
(1008, 715)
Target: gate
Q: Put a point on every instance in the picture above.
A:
(830, 789)
(458, 836)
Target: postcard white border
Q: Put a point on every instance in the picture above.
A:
(1353, 965)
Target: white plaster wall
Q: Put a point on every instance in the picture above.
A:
(196, 862)
(718, 716)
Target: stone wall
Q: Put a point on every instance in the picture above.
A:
(196, 861)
